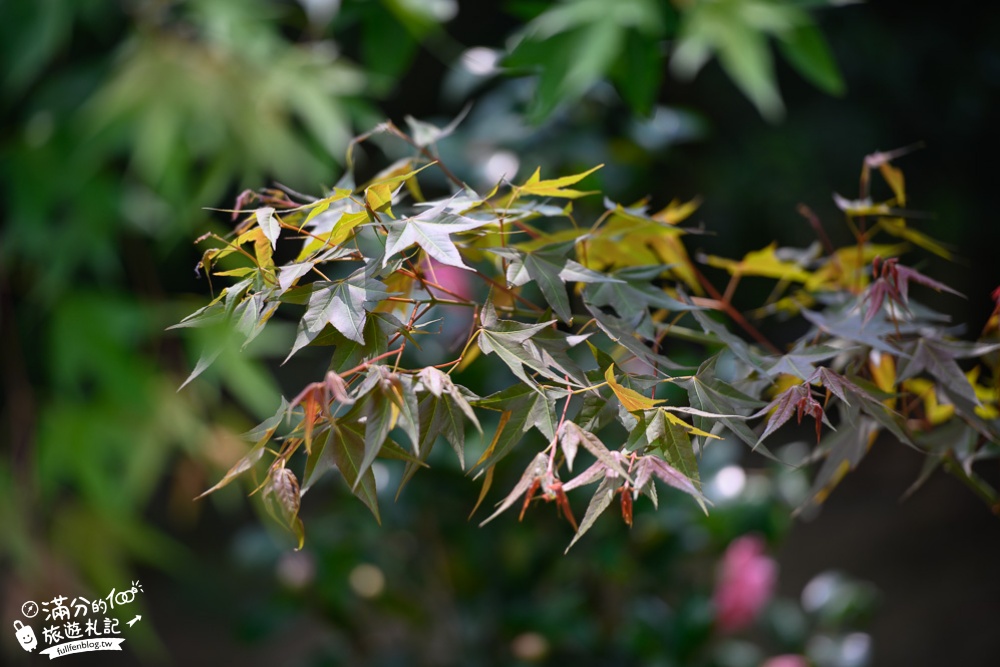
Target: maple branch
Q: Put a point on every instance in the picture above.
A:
(734, 280)
(465, 349)
(817, 226)
(555, 435)
(419, 277)
(733, 313)
(365, 365)
(503, 288)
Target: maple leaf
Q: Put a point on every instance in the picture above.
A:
(609, 468)
(532, 345)
(282, 499)
(707, 393)
(893, 176)
(556, 187)
(893, 282)
(260, 435)
(431, 230)
(613, 481)
(574, 435)
(624, 333)
(665, 433)
(340, 303)
(315, 399)
(843, 387)
(450, 406)
(630, 399)
(846, 324)
(736, 345)
(801, 361)
(898, 227)
(269, 224)
(425, 134)
(534, 472)
(939, 360)
(797, 399)
(320, 206)
(348, 449)
(764, 262)
(599, 502)
(521, 408)
(650, 466)
(551, 270)
(631, 238)
(843, 451)
(631, 294)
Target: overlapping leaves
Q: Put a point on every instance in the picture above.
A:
(873, 360)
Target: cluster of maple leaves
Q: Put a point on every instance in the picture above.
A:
(579, 314)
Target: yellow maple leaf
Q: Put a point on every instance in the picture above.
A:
(764, 262)
(556, 187)
(630, 398)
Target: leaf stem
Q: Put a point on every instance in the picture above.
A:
(512, 293)
(555, 435)
(365, 365)
(465, 349)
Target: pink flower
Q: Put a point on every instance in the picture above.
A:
(745, 584)
(787, 660)
(452, 278)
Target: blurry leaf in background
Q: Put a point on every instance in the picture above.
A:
(120, 126)
(575, 43)
(229, 99)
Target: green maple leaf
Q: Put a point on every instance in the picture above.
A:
(631, 295)
(431, 231)
(340, 303)
(347, 446)
(931, 356)
(599, 502)
(551, 270)
(712, 395)
(456, 398)
(673, 440)
(844, 449)
(624, 333)
(535, 346)
(349, 353)
(443, 411)
(380, 400)
(800, 361)
(849, 325)
(739, 347)
(525, 408)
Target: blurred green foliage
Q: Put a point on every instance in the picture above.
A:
(121, 122)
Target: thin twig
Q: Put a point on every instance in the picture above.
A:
(733, 313)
